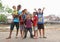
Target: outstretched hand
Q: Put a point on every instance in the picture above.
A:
(43, 7)
(35, 9)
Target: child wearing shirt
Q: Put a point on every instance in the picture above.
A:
(14, 13)
(28, 26)
(35, 20)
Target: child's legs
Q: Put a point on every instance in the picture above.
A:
(22, 30)
(39, 29)
(42, 31)
(26, 30)
(17, 28)
(22, 33)
(11, 29)
(36, 31)
(30, 30)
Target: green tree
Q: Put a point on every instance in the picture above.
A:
(0, 4)
(9, 10)
(3, 18)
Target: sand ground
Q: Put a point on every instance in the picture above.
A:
(52, 32)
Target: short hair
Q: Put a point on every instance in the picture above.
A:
(34, 13)
(13, 6)
(23, 10)
(39, 9)
(19, 5)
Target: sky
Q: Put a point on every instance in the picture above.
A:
(51, 6)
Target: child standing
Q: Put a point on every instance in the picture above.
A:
(15, 21)
(41, 22)
(28, 26)
(35, 19)
(22, 18)
(14, 10)
(15, 13)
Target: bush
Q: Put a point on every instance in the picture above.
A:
(3, 18)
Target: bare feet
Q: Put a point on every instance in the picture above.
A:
(35, 37)
(8, 38)
(44, 37)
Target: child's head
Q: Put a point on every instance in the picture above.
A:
(34, 13)
(18, 7)
(14, 7)
(39, 10)
(23, 12)
(28, 16)
(26, 12)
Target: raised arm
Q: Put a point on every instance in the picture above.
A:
(35, 10)
(43, 9)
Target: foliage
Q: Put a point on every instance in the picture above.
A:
(8, 10)
(0, 4)
(3, 18)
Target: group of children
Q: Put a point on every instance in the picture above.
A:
(26, 21)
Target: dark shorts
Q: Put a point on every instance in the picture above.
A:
(40, 26)
(14, 24)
